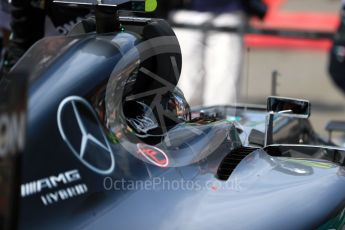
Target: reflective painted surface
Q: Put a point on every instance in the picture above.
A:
(162, 186)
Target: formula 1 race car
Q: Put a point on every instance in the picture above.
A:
(103, 139)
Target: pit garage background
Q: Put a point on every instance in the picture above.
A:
(301, 61)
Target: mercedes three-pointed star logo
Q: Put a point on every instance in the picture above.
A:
(104, 150)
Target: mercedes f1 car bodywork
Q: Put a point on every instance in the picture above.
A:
(110, 143)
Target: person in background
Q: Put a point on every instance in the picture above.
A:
(34, 19)
(336, 67)
(210, 34)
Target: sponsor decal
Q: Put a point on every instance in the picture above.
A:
(68, 26)
(64, 194)
(153, 154)
(50, 182)
(83, 150)
(47, 184)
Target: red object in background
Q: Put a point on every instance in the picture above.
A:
(302, 21)
(265, 41)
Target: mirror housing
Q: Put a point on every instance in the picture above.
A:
(288, 107)
(334, 126)
(283, 106)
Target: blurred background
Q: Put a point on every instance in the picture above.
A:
(292, 42)
(302, 63)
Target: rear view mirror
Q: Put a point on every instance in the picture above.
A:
(288, 107)
(283, 106)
